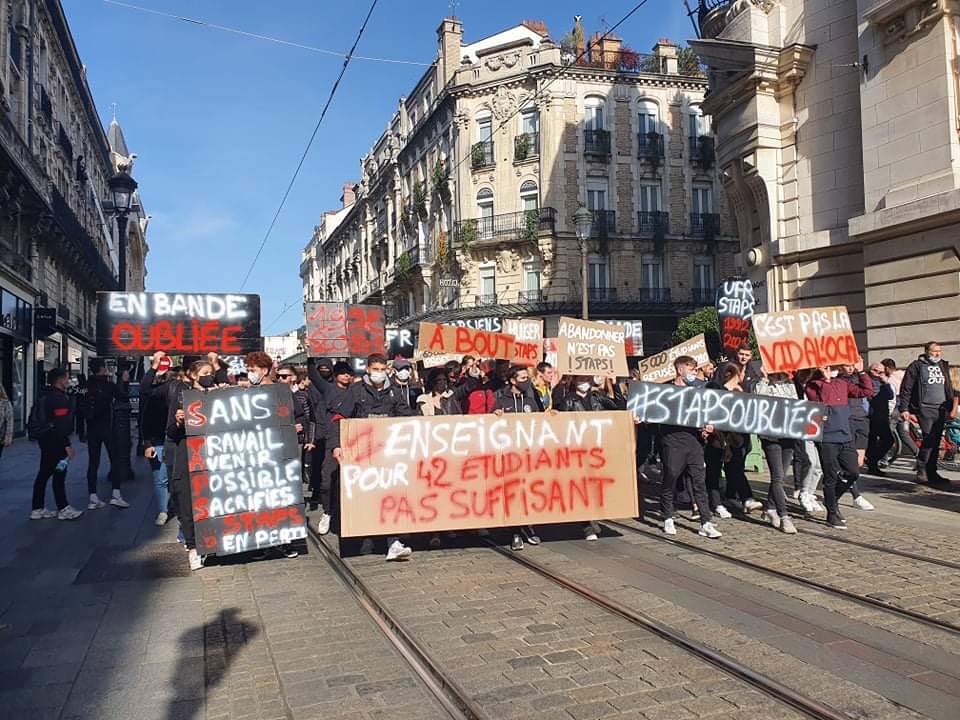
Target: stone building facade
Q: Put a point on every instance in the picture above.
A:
(464, 210)
(837, 134)
(57, 244)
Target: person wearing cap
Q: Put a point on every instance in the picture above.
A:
(407, 391)
(334, 394)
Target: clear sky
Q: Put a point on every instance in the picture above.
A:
(219, 121)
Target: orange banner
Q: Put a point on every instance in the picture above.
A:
(434, 340)
(461, 472)
(805, 338)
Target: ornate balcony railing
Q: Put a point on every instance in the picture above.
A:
(596, 142)
(526, 146)
(604, 223)
(525, 225)
(531, 296)
(650, 146)
(655, 295)
(653, 223)
(481, 155)
(705, 225)
(603, 294)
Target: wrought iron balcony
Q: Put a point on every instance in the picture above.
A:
(77, 238)
(655, 295)
(705, 225)
(531, 296)
(703, 296)
(603, 294)
(653, 222)
(604, 223)
(596, 142)
(622, 61)
(526, 146)
(650, 146)
(525, 225)
(702, 150)
(482, 300)
(481, 155)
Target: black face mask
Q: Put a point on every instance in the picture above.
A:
(523, 386)
(206, 381)
(325, 373)
(439, 387)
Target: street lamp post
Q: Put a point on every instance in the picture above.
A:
(583, 223)
(122, 187)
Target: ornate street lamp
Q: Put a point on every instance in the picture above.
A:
(122, 187)
(583, 223)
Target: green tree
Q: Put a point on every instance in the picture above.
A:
(705, 321)
(688, 63)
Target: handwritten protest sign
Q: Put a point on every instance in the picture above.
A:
(659, 367)
(459, 341)
(430, 474)
(340, 330)
(244, 465)
(808, 338)
(632, 335)
(529, 333)
(698, 407)
(590, 348)
(735, 303)
(400, 343)
(178, 323)
(550, 351)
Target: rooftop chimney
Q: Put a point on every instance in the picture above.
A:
(349, 196)
(450, 40)
(666, 54)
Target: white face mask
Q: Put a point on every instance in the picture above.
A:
(583, 387)
(597, 380)
(378, 377)
(834, 373)
(475, 372)
(254, 377)
(690, 377)
(403, 374)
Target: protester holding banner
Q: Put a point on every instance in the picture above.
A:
(220, 370)
(749, 368)
(474, 392)
(859, 430)
(807, 470)
(374, 396)
(543, 382)
(837, 453)
(324, 481)
(439, 399)
(682, 453)
(778, 453)
(97, 409)
(154, 409)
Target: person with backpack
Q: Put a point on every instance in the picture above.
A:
(97, 409)
(50, 425)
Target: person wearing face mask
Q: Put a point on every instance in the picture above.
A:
(681, 451)
(154, 408)
(326, 479)
(374, 397)
(838, 457)
(199, 376)
(440, 399)
(406, 390)
(927, 394)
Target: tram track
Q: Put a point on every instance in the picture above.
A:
(781, 575)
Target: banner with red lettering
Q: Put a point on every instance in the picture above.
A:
(244, 465)
(806, 338)
(460, 472)
(142, 323)
(735, 303)
(435, 340)
(591, 348)
(341, 330)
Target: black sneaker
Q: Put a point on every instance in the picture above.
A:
(836, 521)
(937, 480)
(876, 471)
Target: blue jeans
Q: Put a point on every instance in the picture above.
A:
(161, 483)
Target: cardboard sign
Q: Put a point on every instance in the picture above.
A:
(632, 335)
(550, 351)
(339, 330)
(528, 331)
(430, 474)
(659, 367)
(735, 302)
(244, 465)
(697, 407)
(590, 348)
(178, 323)
(808, 338)
(440, 340)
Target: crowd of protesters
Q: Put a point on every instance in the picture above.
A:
(868, 411)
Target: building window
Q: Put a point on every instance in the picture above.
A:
(702, 200)
(484, 129)
(698, 126)
(532, 275)
(593, 114)
(648, 118)
(597, 194)
(652, 272)
(530, 122)
(598, 272)
(704, 283)
(488, 285)
(650, 197)
(529, 196)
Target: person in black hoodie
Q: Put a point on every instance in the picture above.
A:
(407, 391)
(55, 448)
(98, 411)
(926, 393)
(334, 394)
(154, 408)
(303, 417)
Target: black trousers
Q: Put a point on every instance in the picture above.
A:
(779, 455)
(837, 459)
(97, 438)
(316, 469)
(182, 497)
(329, 472)
(735, 470)
(881, 439)
(50, 455)
(931, 420)
(682, 454)
(713, 457)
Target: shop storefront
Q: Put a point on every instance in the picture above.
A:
(16, 322)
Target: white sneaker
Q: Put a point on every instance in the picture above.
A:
(722, 513)
(366, 547)
(42, 514)
(862, 503)
(798, 494)
(707, 530)
(592, 537)
(161, 519)
(95, 502)
(323, 524)
(68, 513)
(817, 507)
(196, 562)
(773, 517)
(592, 531)
(398, 551)
(806, 501)
(669, 527)
(751, 504)
(117, 500)
(786, 524)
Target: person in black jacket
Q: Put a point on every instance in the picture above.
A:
(926, 393)
(154, 408)
(303, 418)
(98, 404)
(374, 396)
(406, 390)
(333, 395)
(55, 449)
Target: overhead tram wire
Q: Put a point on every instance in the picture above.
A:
(306, 150)
(587, 47)
(259, 36)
